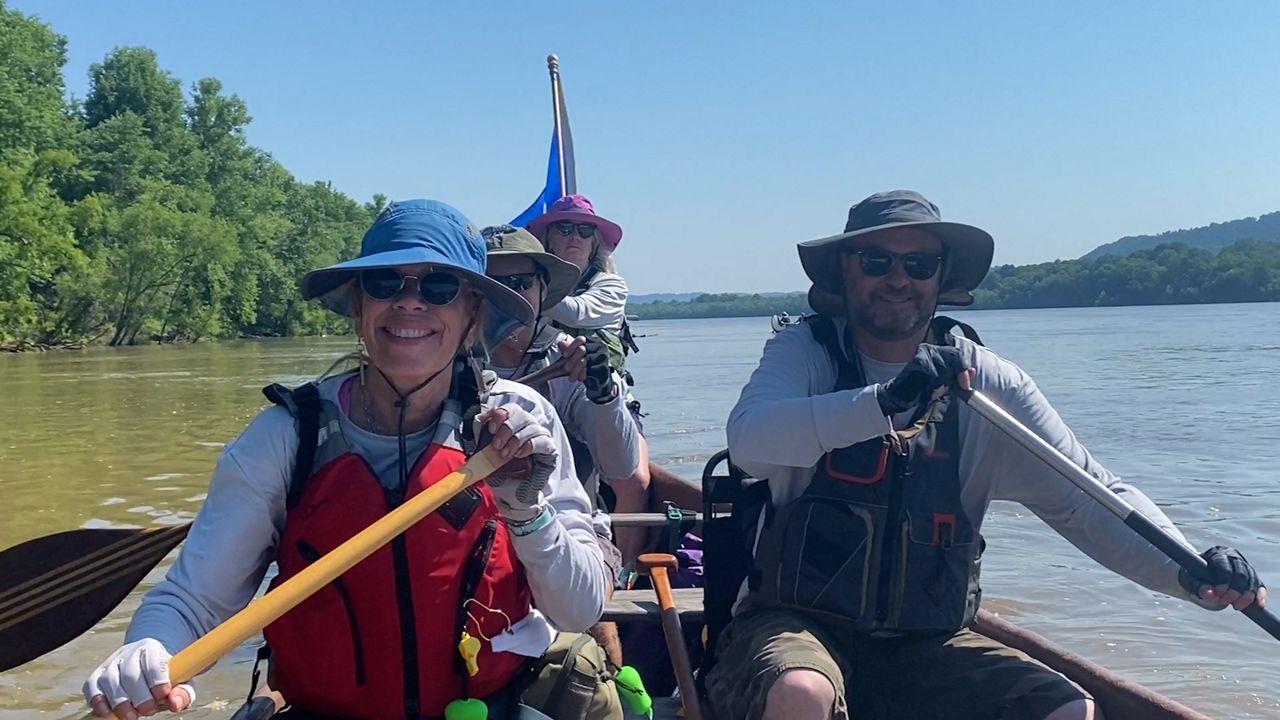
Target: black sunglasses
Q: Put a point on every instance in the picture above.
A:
(565, 228)
(518, 281)
(878, 263)
(435, 288)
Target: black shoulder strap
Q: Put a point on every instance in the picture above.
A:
(942, 325)
(304, 404)
(467, 392)
(848, 375)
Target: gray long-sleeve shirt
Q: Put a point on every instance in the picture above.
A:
(788, 417)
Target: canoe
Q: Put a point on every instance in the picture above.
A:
(1119, 697)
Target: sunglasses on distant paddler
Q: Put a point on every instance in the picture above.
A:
(566, 228)
(435, 288)
(878, 263)
(519, 281)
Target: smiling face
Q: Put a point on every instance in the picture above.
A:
(892, 307)
(408, 338)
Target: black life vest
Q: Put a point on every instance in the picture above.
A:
(879, 541)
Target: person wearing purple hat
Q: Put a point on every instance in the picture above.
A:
(597, 308)
(445, 619)
(572, 231)
(866, 570)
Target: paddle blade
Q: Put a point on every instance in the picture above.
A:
(54, 588)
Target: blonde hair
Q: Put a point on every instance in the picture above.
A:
(601, 259)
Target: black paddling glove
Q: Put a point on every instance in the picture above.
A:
(1226, 567)
(933, 367)
(600, 386)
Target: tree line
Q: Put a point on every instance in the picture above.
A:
(140, 213)
(1174, 273)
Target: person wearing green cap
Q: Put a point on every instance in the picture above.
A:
(589, 401)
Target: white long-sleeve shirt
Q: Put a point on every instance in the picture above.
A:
(787, 417)
(602, 306)
(233, 540)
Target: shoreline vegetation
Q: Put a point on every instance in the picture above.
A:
(140, 214)
(1170, 274)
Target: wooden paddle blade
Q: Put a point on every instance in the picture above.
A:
(54, 588)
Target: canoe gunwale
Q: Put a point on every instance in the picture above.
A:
(1119, 697)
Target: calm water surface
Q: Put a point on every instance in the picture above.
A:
(1180, 400)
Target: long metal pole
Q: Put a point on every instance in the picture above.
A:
(1154, 534)
(553, 67)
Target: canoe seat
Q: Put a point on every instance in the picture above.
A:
(629, 606)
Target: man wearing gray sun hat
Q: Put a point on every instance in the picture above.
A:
(865, 575)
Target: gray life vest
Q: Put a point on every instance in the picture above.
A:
(879, 541)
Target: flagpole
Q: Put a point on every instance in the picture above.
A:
(553, 67)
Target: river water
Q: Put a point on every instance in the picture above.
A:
(1180, 400)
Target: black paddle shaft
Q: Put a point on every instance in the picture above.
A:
(1139, 523)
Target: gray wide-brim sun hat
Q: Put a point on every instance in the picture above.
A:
(413, 232)
(562, 275)
(968, 249)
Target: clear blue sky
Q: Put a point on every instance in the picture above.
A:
(718, 134)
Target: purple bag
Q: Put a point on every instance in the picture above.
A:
(644, 647)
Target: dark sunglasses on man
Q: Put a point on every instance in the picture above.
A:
(435, 288)
(878, 263)
(566, 228)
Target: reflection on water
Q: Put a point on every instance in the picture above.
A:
(1179, 400)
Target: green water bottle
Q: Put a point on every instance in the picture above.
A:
(470, 709)
(631, 689)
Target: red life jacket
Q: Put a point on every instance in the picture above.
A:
(381, 641)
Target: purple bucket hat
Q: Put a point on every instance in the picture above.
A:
(577, 208)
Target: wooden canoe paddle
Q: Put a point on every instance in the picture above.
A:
(57, 587)
(658, 567)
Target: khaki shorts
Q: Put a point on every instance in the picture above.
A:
(612, 560)
(965, 675)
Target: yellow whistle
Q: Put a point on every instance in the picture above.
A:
(469, 649)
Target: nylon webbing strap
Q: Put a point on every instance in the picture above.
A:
(848, 376)
(306, 400)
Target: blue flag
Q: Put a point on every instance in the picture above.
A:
(556, 187)
(550, 193)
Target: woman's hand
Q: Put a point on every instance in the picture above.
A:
(516, 434)
(134, 681)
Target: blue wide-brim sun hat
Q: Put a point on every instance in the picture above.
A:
(413, 232)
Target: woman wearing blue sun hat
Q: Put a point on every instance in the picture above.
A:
(449, 614)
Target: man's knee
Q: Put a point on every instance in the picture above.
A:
(1077, 710)
(799, 694)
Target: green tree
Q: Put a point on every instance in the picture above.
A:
(37, 249)
(33, 108)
